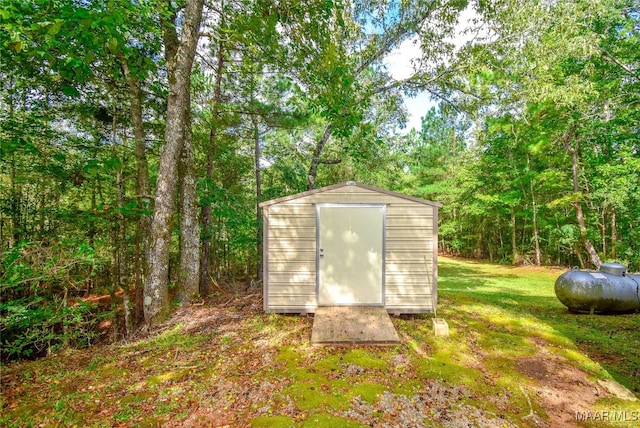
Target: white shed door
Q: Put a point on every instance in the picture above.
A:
(350, 255)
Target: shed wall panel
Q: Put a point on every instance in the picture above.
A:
(290, 250)
(291, 210)
(292, 244)
(293, 256)
(304, 300)
(293, 289)
(285, 221)
(293, 266)
(401, 258)
(301, 278)
(409, 245)
(292, 232)
(405, 245)
(413, 300)
(409, 233)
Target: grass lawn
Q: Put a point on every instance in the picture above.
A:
(515, 357)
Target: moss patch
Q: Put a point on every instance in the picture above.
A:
(365, 359)
(289, 356)
(328, 421)
(442, 368)
(368, 391)
(314, 395)
(168, 376)
(273, 422)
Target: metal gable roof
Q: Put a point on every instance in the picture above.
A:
(350, 184)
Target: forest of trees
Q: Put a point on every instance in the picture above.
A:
(138, 137)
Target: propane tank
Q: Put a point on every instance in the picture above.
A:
(610, 289)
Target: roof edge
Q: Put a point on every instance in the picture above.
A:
(351, 184)
(400, 195)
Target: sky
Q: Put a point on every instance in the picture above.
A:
(398, 63)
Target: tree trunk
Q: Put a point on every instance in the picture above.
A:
(120, 236)
(580, 258)
(206, 221)
(256, 149)
(614, 233)
(16, 189)
(42, 203)
(206, 208)
(517, 259)
(14, 236)
(315, 159)
(180, 58)
(126, 303)
(536, 238)
(143, 188)
(593, 253)
(188, 279)
(604, 233)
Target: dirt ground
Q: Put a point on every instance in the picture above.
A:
(561, 389)
(256, 369)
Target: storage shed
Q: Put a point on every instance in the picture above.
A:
(350, 245)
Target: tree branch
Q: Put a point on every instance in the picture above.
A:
(402, 31)
(329, 161)
(619, 63)
(446, 100)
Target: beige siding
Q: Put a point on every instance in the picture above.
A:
(290, 250)
(292, 244)
(293, 300)
(281, 220)
(409, 304)
(409, 245)
(297, 289)
(404, 246)
(291, 210)
(302, 264)
(291, 257)
(306, 233)
(406, 257)
(300, 276)
(294, 256)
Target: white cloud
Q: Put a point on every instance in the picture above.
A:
(400, 66)
(398, 61)
(465, 22)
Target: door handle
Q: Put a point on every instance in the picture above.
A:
(321, 252)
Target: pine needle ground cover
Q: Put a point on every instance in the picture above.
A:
(515, 357)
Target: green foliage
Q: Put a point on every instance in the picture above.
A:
(532, 91)
(36, 327)
(39, 311)
(492, 152)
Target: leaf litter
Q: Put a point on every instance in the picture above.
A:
(226, 363)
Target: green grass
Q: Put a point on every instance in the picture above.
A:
(516, 305)
(260, 369)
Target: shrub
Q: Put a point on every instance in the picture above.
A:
(38, 309)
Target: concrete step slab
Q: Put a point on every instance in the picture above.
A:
(353, 324)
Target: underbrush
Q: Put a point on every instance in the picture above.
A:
(40, 306)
